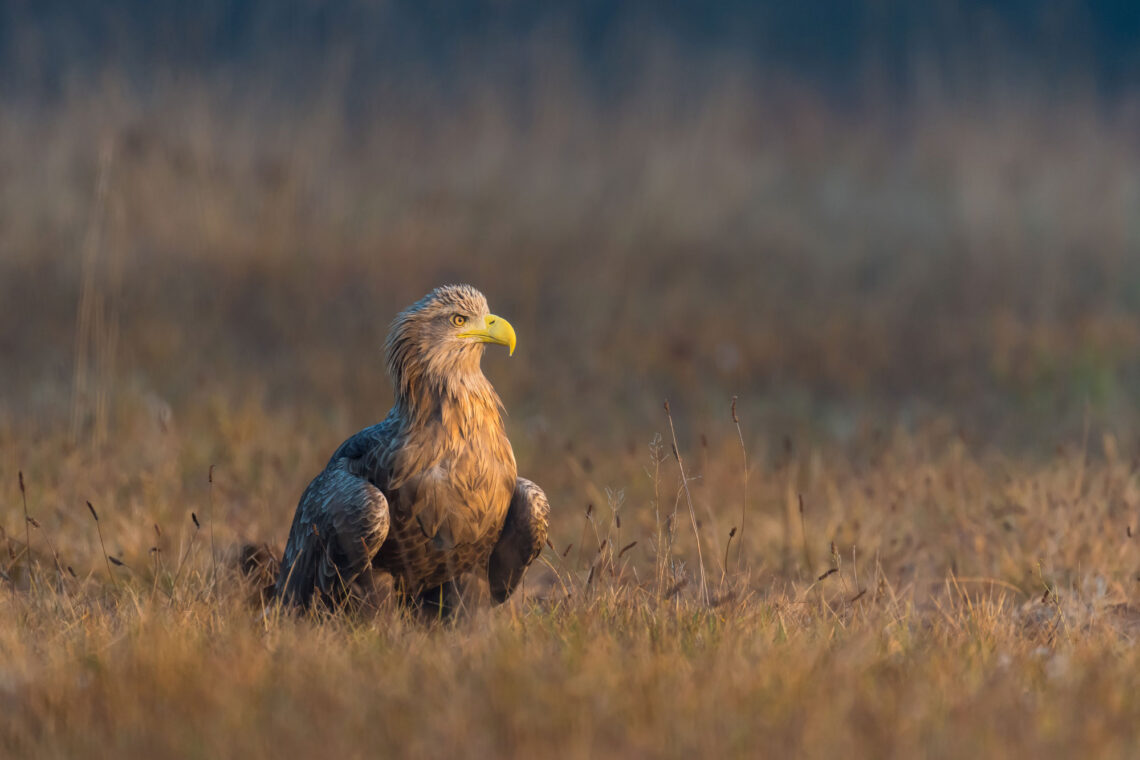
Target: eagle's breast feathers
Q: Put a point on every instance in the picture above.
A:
(448, 496)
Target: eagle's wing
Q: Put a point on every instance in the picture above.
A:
(340, 523)
(524, 533)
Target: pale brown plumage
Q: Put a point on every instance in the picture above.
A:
(431, 492)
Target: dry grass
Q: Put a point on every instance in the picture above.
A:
(917, 520)
(979, 605)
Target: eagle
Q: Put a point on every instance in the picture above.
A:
(431, 492)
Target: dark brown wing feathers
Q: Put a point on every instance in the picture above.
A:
(523, 536)
(339, 526)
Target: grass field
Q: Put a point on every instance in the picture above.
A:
(917, 521)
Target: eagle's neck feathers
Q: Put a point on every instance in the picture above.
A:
(448, 388)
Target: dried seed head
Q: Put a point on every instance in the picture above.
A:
(93, 512)
(21, 474)
(194, 517)
(210, 477)
(734, 417)
(116, 562)
(33, 521)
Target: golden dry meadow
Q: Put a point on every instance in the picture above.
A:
(899, 351)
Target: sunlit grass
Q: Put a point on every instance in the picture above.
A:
(954, 604)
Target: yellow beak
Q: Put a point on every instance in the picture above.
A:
(495, 330)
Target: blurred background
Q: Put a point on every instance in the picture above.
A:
(854, 216)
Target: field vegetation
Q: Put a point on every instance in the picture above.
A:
(899, 347)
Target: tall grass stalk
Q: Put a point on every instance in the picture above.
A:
(689, 501)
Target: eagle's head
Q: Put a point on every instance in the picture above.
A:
(439, 340)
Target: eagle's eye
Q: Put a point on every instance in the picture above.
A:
(458, 320)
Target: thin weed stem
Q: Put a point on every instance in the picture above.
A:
(744, 498)
(27, 529)
(213, 553)
(102, 545)
(803, 535)
(185, 556)
(689, 501)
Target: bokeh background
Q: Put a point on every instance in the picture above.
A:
(856, 217)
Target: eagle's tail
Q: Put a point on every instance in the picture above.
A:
(259, 564)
